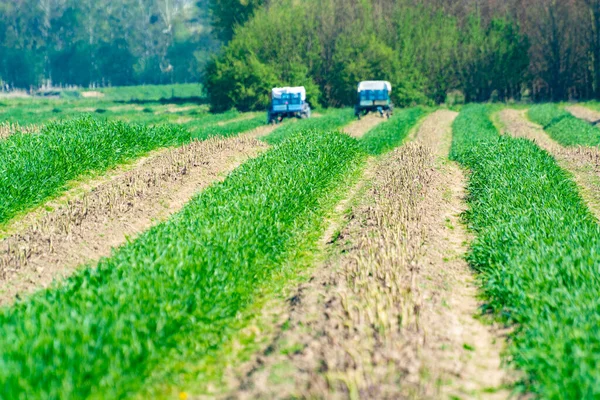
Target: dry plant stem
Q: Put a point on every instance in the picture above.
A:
(8, 129)
(358, 128)
(371, 323)
(582, 162)
(584, 113)
(88, 227)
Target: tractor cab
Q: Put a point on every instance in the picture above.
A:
(374, 96)
(288, 102)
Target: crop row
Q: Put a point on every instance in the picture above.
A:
(180, 287)
(564, 127)
(35, 167)
(385, 137)
(332, 119)
(536, 248)
(104, 329)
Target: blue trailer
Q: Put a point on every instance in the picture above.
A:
(374, 96)
(288, 102)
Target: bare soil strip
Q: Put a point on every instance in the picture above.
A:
(584, 113)
(390, 314)
(582, 162)
(460, 352)
(358, 128)
(85, 228)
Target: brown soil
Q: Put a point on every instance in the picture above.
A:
(460, 353)
(584, 113)
(261, 131)
(582, 162)
(390, 314)
(358, 128)
(88, 227)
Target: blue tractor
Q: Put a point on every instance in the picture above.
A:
(288, 102)
(374, 96)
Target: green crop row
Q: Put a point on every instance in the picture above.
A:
(537, 249)
(385, 137)
(205, 131)
(564, 127)
(36, 167)
(331, 119)
(179, 287)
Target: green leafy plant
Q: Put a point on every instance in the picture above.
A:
(536, 249)
(180, 286)
(564, 127)
(385, 137)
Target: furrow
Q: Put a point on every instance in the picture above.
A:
(584, 113)
(113, 212)
(581, 161)
(372, 320)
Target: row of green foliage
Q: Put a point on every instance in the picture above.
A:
(42, 111)
(35, 167)
(564, 127)
(331, 119)
(229, 129)
(149, 93)
(386, 136)
(537, 250)
(180, 286)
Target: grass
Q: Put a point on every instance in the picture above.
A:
(385, 137)
(564, 127)
(331, 119)
(537, 250)
(180, 286)
(152, 92)
(42, 111)
(36, 167)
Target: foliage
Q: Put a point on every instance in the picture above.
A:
(330, 46)
(181, 286)
(227, 15)
(564, 127)
(387, 136)
(102, 42)
(536, 249)
(34, 167)
(331, 120)
(150, 93)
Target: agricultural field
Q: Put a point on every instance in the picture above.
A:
(152, 249)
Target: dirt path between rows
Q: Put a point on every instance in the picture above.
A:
(584, 113)
(390, 314)
(458, 349)
(360, 127)
(53, 244)
(582, 162)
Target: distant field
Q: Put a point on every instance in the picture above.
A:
(142, 104)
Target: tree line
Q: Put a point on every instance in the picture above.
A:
(479, 50)
(103, 42)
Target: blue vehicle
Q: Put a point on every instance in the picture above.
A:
(288, 102)
(374, 96)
